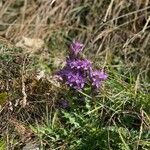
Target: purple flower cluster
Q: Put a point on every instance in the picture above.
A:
(79, 64)
(78, 72)
(97, 77)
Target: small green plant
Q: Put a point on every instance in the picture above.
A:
(2, 144)
(85, 118)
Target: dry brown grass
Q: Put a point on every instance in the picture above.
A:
(116, 34)
(108, 28)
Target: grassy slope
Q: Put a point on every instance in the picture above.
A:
(118, 117)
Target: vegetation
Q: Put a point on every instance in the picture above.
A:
(37, 111)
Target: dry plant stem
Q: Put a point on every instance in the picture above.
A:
(108, 12)
(112, 28)
(23, 15)
(137, 85)
(24, 100)
(5, 7)
(146, 24)
(134, 37)
(141, 128)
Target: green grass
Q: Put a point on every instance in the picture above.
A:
(116, 37)
(2, 144)
(116, 118)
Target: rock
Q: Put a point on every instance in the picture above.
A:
(31, 146)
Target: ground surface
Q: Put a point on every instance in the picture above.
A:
(34, 41)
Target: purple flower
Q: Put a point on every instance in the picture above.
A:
(79, 64)
(76, 47)
(63, 72)
(73, 78)
(76, 80)
(78, 71)
(97, 77)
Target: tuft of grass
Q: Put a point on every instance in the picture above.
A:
(114, 119)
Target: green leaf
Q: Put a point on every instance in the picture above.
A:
(3, 98)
